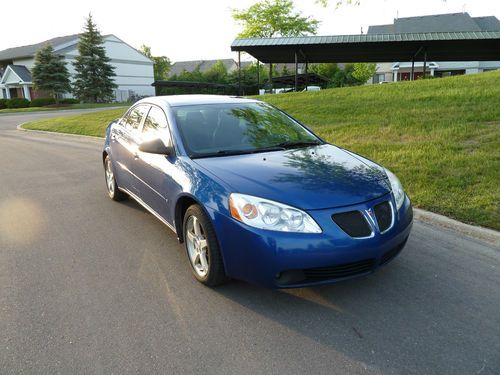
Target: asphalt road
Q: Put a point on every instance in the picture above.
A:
(90, 286)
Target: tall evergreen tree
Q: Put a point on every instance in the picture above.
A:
(49, 72)
(94, 74)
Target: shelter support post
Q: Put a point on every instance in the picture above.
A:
(271, 76)
(425, 63)
(258, 75)
(412, 68)
(307, 75)
(239, 73)
(296, 72)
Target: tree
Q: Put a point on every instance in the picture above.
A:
(269, 18)
(217, 73)
(49, 72)
(94, 74)
(363, 72)
(161, 65)
(327, 70)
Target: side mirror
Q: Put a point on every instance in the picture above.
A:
(156, 146)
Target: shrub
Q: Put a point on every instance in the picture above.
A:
(3, 103)
(41, 102)
(69, 101)
(18, 103)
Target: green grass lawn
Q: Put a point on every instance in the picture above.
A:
(71, 106)
(93, 123)
(441, 136)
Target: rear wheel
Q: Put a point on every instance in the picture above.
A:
(202, 247)
(113, 191)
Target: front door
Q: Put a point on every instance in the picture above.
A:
(124, 147)
(154, 172)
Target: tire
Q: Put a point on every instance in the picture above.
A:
(111, 186)
(202, 247)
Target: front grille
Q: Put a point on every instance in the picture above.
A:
(383, 213)
(339, 271)
(353, 223)
(391, 254)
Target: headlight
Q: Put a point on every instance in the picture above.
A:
(265, 214)
(397, 188)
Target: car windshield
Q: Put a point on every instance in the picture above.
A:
(238, 128)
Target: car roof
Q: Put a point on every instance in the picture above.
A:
(181, 100)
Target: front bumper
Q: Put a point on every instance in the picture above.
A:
(286, 260)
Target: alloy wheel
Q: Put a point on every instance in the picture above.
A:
(197, 246)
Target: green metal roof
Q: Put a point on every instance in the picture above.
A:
(445, 46)
(364, 38)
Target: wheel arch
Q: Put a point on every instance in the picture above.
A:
(104, 154)
(181, 206)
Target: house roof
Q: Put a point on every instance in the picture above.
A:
(489, 23)
(29, 50)
(452, 22)
(22, 72)
(203, 65)
(381, 29)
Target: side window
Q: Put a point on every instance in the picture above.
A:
(155, 125)
(133, 119)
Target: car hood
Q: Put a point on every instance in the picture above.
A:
(316, 177)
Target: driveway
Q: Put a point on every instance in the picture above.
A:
(91, 286)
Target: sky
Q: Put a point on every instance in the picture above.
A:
(198, 29)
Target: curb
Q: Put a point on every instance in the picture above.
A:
(20, 127)
(489, 236)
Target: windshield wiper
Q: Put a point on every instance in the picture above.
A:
(295, 144)
(237, 152)
(279, 147)
(222, 153)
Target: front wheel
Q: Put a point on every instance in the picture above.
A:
(113, 191)
(202, 247)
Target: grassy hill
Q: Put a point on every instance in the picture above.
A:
(440, 136)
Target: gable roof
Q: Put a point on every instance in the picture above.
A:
(452, 22)
(20, 71)
(29, 50)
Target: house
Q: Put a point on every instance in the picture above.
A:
(454, 22)
(134, 71)
(203, 66)
(230, 64)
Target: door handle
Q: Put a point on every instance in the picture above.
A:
(136, 156)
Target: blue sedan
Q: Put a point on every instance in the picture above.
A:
(253, 194)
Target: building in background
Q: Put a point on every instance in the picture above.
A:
(203, 66)
(134, 71)
(231, 66)
(454, 22)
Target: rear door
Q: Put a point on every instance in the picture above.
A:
(154, 171)
(124, 145)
